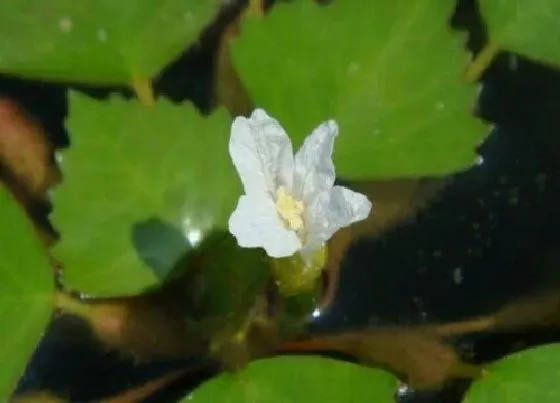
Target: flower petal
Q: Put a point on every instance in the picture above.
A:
(314, 169)
(330, 211)
(255, 223)
(261, 152)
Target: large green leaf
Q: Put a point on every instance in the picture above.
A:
(103, 41)
(298, 380)
(529, 376)
(529, 27)
(388, 71)
(26, 292)
(141, 187)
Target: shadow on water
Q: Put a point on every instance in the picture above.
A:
(159, 245)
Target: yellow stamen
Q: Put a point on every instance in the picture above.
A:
(289, 209)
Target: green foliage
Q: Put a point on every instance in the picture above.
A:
(141, 187)
(298, 379)
(98, 41)
(529, 376)
(529, 27)
(26, 292)
(388, 71)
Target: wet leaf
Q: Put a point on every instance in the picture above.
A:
(529, 27)
(142, 186)
(524, 377)
(398, 96)
(25, 151)
(98, 41)
(298, 379)
(26, 290)
(421, 357)
(146, 327)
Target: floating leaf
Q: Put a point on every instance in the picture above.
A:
(387, 71)
(141, 187)
(529, 27)
(98, 41)
(26, 290)
(525, 377)
(298, 379)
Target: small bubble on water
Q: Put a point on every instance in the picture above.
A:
(458, 275)
(65, 24)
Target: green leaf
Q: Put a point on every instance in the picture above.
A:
(298, 380)
(529, 27)
(388, 71)
(97, 41)
(526, 377)
(141, 187)
(26, 292)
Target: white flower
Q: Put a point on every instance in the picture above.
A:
(290, 203)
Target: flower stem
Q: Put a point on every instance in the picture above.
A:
(293, 275)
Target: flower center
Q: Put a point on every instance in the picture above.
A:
(289, 209)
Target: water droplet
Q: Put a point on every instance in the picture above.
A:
(194, 236)
(352, 68)
(102, 35)
(403, 390)
(316, 313)
(188, 17)
(479, 160)
(65, 24)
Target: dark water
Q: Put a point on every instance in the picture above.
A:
(479, 246)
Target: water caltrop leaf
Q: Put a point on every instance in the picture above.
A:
(388, 71)
(98, 41)
(26, 292)
(529, 27)
(141, 187)
(524, 377)
(291, 379)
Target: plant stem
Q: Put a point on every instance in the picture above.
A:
(72, 305)
(481, 62)
(144, 92)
